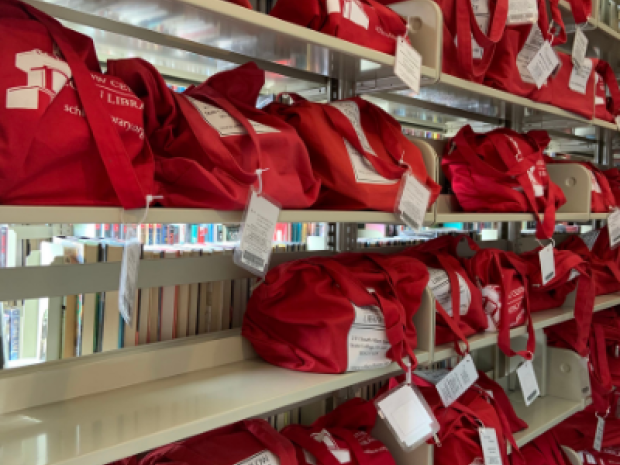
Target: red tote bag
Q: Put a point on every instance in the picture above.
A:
(211, 140)
(461, 57)
(503, 171)
(564, 97)
(249, 441)
(606, 107)
(316, 314)
(613, 178)
(341, 436)
(358, 152)
(69, 135)
(545, 450)
(363, 22)
(446, 274)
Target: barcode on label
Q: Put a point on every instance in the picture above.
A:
(494, 461)
(253, 260)
(373, 319)
(617, 238)
(532, 396)
(549, 276)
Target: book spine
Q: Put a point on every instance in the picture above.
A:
(15, 316)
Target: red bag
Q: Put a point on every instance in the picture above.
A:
(363, 22)
(311, 314)
(211, 140)
(544, 450)
(503, 281)
(503, 171)
(613, 178)
(69, 135)
(460, 29)
(603, 199)
(341, 436)
(564, 97)
(357, 150)
(230, 445)
(582, 10)
(570, 270)
(606, 108)
(445, 274)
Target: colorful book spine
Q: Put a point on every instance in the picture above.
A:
(15, 317)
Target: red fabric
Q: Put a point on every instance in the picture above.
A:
(503, 280)
(606, 108)
(227, 446)
(503, 171)
(544, 450)
(567, 99)
(344, 430)
(69, 135)
(342, 138)
(439, 255)
(603, 199)
(197, 166)
(301, 316)
(363, 22)
(613, 178)
(582, 10)
(459, 26)
(554, 293)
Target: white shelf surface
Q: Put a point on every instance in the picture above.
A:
(101, 428)
(540, 320)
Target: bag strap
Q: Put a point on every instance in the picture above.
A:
(606, 72)
(110, 147)
(582, 9)
(272, 440)
(559, 36)
(302, 437)
(388, 17)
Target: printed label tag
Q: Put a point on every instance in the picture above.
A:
(407, 416)
(480, 7)
(613, 223)
(579, 77)
(408, 65)
(439, 283)
(129, 274)
(225, 124)
(529, 384)
(580, 47)
(454, 385)
(547, 264)
(522, 12)
(262, 458)
(367, 342)
(490, 446)
(600, 432)
(258, 230)
(413, 202)
(543, 64)
(533, 43)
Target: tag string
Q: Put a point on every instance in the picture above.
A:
(541, 244)
(408, 374)
(149, 199)
(259, 173)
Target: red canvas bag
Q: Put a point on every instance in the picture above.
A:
(363, 22)
(341, 436)
(211, 140)
(566, 98)
(606, 108)
(613, 178)
(446, 273)
(503, 171)
(503, 281)
(230, 445)
(309, 315)
(544, 450)
(358, 152)
(459, 27)
(69, 135)
(571, 272)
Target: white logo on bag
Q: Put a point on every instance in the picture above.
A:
(539, 190)
(261, 458)
(477, 461)
(46, 75)
(518, 155)
(353, 11)
(492, 305)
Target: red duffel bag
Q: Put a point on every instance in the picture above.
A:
(467, 50)
(211, 141)
(603, 200)
(571, 272)
(363, 22)
(321, 316)
(606, 107)
(69, 135)
(358, 152)
(503, 171)
(341, 436)
(446, 274)
(503, 281)
(544, 450)
(249, 441)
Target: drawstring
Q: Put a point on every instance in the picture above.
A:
(149, 199)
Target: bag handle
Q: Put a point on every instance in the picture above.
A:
(582, 9)
(110, 147)
(604, 70)
(272, 440)
(388, 17)
(556, 15)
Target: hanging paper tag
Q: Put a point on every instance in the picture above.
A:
(579, 77)
(259, 226)
(129, 274)
(407, 415)
(613, 224)
(433, 376)
(547, 264)
(529, 384)
(580, 47)
(543, 64)
(522, 12)
(598, 436)
(490, 446)
(533, 43)
(408, 65)
(412, 201)
(455, 383)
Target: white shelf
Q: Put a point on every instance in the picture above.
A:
(101, 428)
